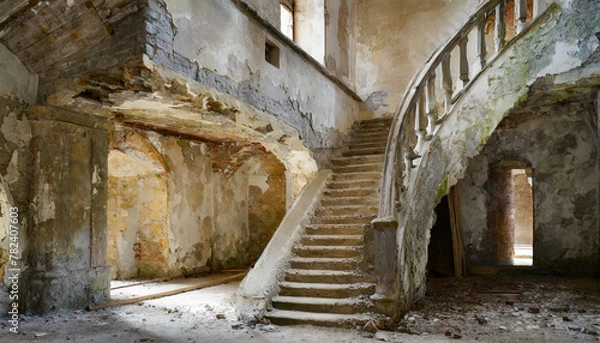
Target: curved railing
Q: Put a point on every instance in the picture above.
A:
(426, 103)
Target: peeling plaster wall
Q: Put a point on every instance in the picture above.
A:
(191, 39)
(17, 89)
(193, 215)
(231, 234)
(562, 150)
(267, 203)
(394, 38)
(190, 204)
(65, 256)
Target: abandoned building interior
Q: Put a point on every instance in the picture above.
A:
(339, 152)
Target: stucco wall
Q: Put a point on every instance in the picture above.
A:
(394, 38)
(562, 150)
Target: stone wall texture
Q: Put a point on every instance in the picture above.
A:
(561, 148)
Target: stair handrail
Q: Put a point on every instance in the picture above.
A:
(422, 86)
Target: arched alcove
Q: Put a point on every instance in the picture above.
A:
(137, 210)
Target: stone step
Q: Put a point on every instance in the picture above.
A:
(331, 240)
(326, 290)
(328, 251)
(322, 305)
(323, 263)
(345, 161)
(376, 122)
(343, 219)
(361, 145)
(372, 139)
(343, 201)
(335, 229)
(364, 151)
(373, 127)
(352, 192)
(354, 184)
(326, 276)
(284, 317)
(360, 134)
(360, 176)
(355, 168)
(348, 210)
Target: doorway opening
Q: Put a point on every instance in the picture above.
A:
(522, 204)
(445, 251)
(511, 213)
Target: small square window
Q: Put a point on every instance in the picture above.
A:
(272, 53)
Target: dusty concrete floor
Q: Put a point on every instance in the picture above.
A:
(569, 312)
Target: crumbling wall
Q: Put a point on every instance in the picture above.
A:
(267, 203)
(394, 38)
(190, 204)
(562, 150)
(180, 206)
(17, 90)
(65, 255)
(191, 40)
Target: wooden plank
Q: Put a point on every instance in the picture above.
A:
(456, 227)
(49, 17)
(80, 33)
(8, 8)
(200, 285)
(169, 278)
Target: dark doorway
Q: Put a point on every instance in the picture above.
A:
(440, 255)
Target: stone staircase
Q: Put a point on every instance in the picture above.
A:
(324, 284)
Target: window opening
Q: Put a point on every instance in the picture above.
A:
(272, 53)
(287, 18)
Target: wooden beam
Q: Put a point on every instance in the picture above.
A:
(200, 285)
(48, 18)
(82, 32)
(9, 8)
(456, 227)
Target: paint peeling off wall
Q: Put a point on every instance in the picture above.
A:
(232, 60)
(206, 207)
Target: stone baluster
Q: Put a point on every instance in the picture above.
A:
(464, 61)
(447, 82)
(481, 46)
(430, 106)
(520, 15)
(419, 131)
(410, 155)
(500, 30)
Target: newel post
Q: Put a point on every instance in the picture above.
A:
(385, 254)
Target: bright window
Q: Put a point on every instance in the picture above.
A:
(287, 19)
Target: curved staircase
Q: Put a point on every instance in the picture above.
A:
(324, 284)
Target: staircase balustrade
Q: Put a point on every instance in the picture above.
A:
(429, 100)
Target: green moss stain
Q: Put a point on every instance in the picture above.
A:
(443, 188)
